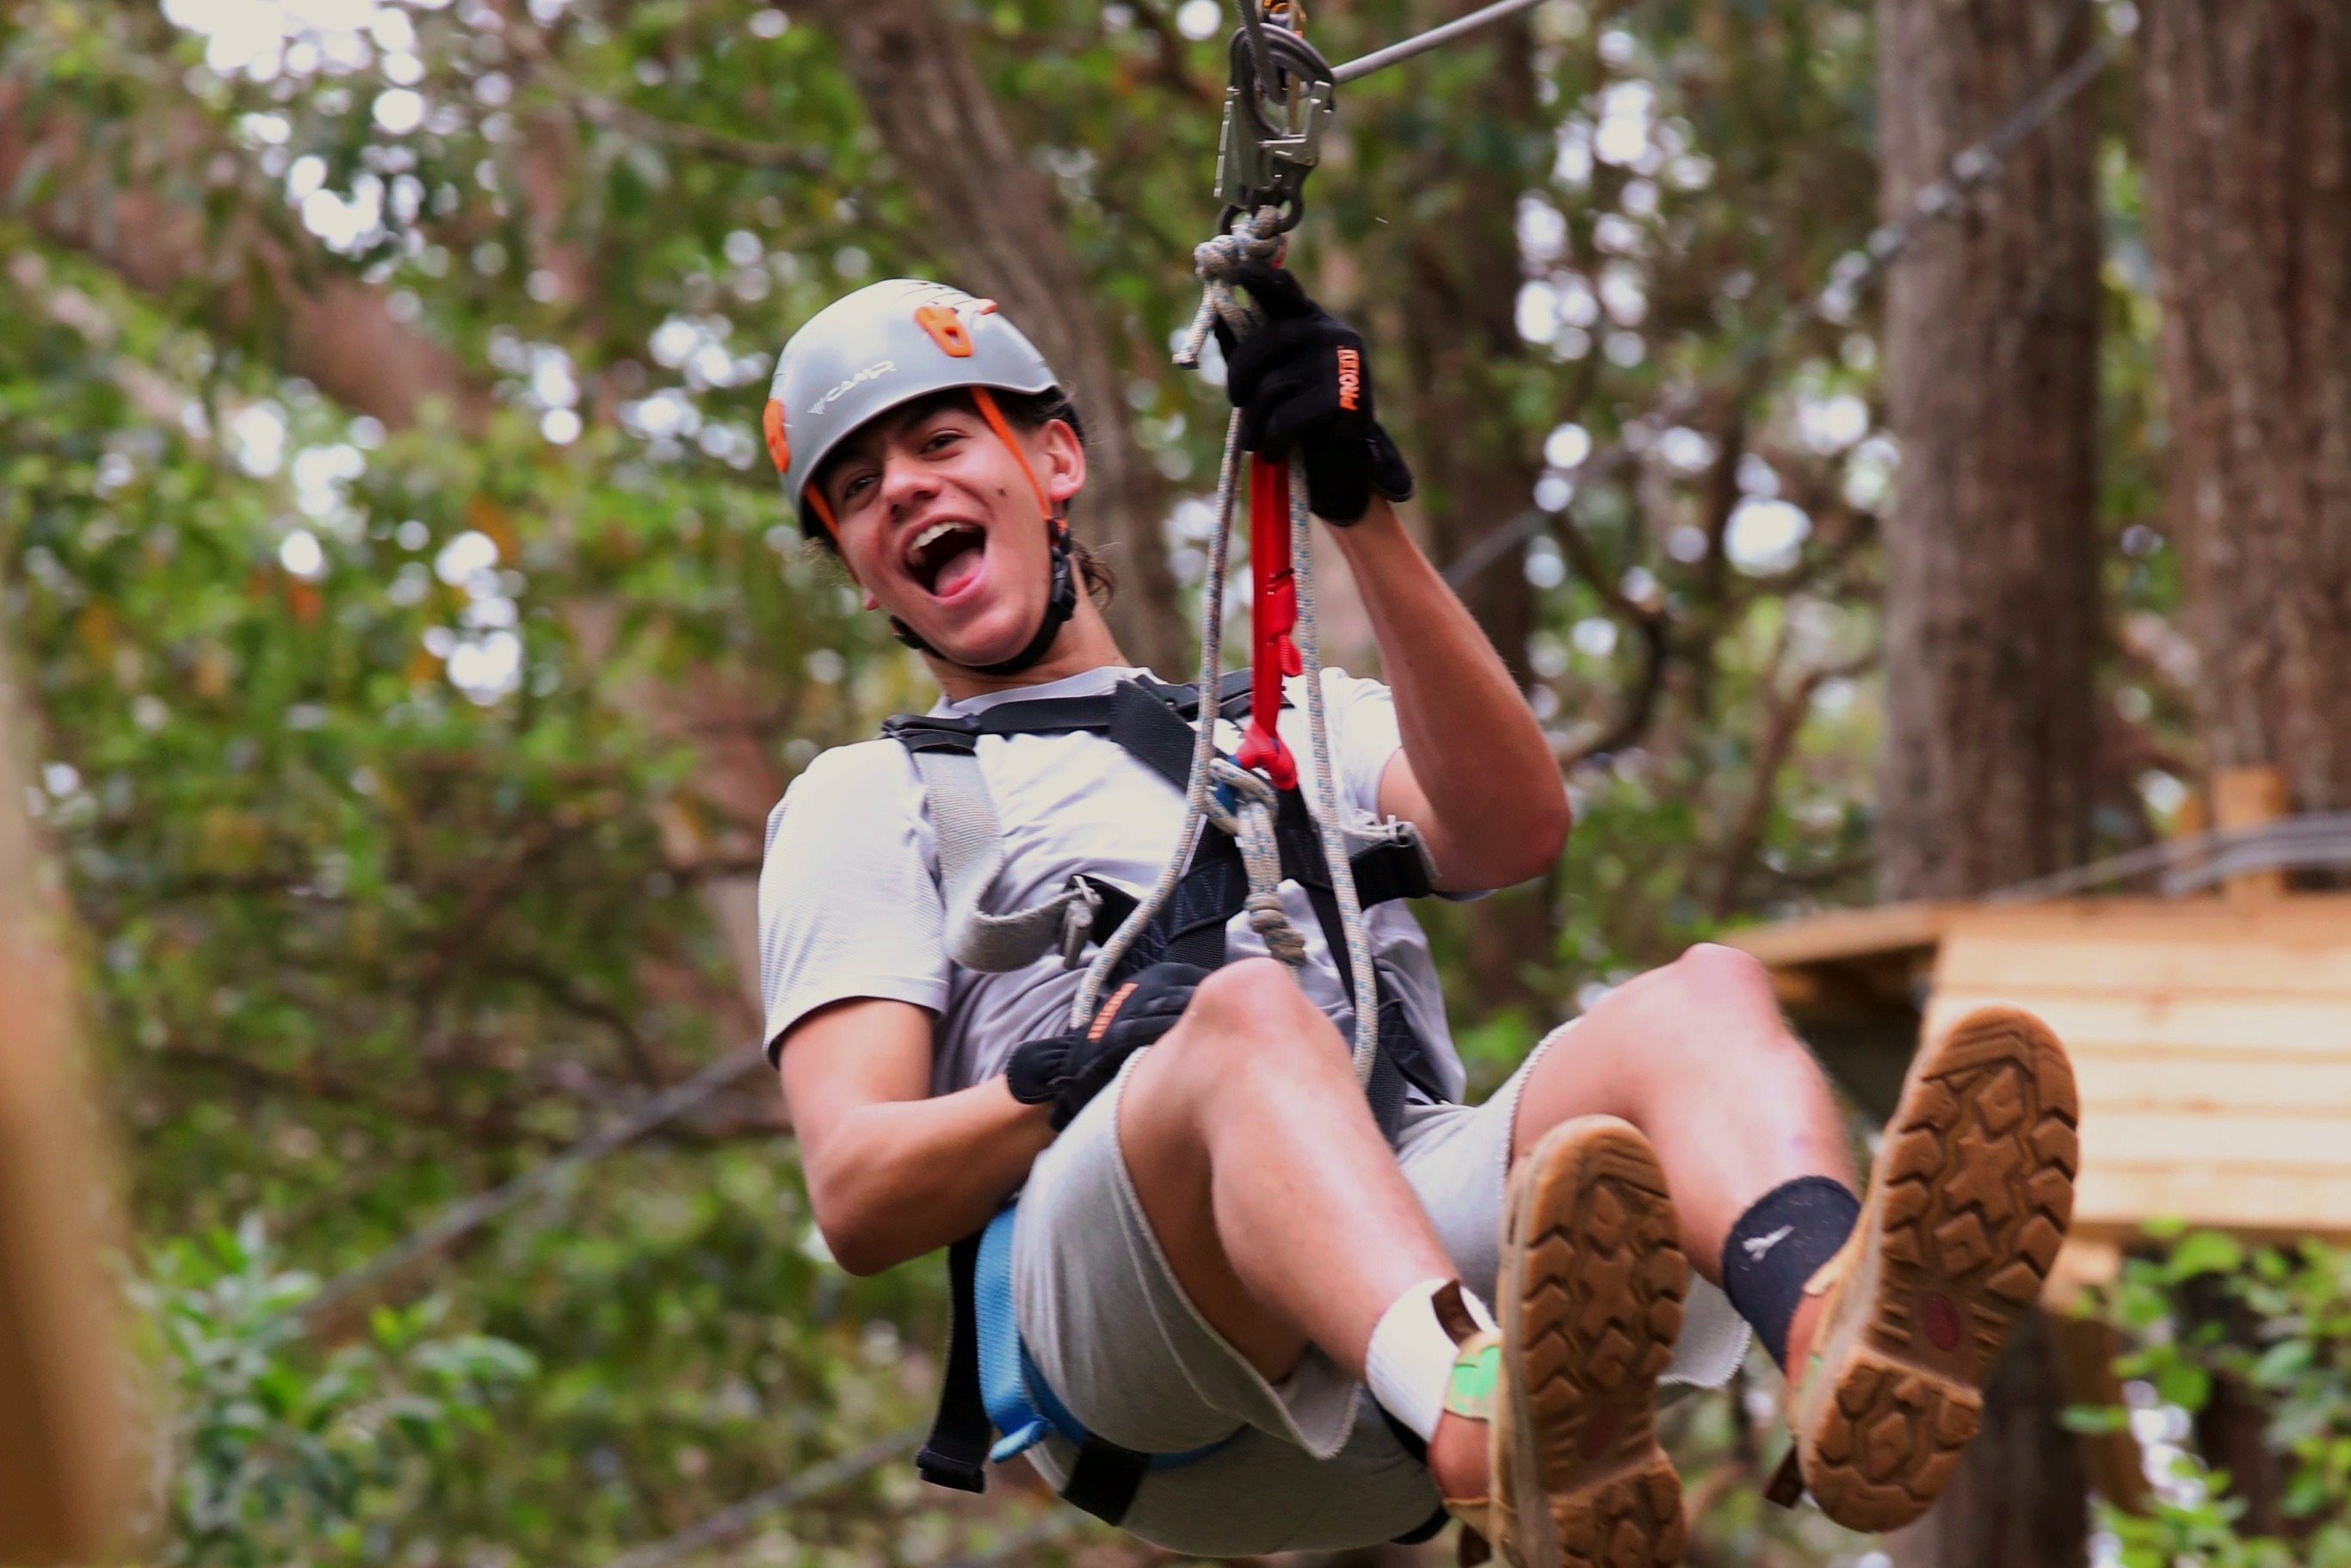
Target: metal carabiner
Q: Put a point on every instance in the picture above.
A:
(1272, 135)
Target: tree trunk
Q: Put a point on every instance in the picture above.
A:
(994, 222)
(2019, 1498)
(1991, 604)
(2248, 153)
(1476, 469)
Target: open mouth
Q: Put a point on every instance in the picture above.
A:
(946, 557)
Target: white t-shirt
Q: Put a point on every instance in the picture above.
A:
(849, 895)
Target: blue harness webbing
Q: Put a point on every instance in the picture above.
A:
(1020, 1402)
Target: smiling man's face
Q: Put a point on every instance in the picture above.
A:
(940, 527)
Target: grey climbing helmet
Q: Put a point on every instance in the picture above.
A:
(887, 344)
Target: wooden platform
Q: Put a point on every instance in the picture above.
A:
(2212, 1039)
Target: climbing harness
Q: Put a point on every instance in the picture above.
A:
(1147, 719)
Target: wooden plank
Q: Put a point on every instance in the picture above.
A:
(2195, 1082)
(2207, 1023)
(2320, 1145)
(1844, 933)
(2116, 1199)
(2196, 958)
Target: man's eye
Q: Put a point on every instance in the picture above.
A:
(941, 439)
(855, 486)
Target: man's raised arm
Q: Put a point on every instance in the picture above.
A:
(1476, 776)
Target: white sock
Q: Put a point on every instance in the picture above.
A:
(1411, 1358)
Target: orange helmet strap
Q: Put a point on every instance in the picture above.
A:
(985, 401)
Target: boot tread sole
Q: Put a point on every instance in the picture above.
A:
(1592, 1249)
(1973, 1192)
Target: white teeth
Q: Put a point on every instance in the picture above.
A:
(935, 531)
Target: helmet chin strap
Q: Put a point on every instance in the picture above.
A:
(1062, 600)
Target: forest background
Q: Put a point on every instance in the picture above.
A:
(417, 640)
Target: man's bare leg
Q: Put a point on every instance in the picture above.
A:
(1266, 1182)
(1697, 1057)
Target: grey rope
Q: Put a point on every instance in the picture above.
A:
(1251, 821)
(1204, 748)
(1251, 824)
(1326, 788)
(1216, 299)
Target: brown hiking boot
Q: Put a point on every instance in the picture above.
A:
(1967, 1208)
(1590, 1299)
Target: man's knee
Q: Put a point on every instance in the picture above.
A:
(1724, 978)
(1247, 1015)
(1710, 998)
(1245, 995)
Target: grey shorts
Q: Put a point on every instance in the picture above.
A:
(1312, 1465)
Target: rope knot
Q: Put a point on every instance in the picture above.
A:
(1282, 939)
(1215, 260)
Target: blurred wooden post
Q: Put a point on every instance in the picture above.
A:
(61, 1455)
(2251, 797)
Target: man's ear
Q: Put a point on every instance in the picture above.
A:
(1063, 472)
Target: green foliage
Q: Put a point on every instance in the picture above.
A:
(285, 1453)
(2276, 1324)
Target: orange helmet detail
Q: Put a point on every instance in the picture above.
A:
(823, 509)
(771, 423)
(946, 330)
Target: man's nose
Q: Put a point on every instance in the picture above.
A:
(905, 483)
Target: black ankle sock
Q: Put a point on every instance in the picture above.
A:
(1778, 1245)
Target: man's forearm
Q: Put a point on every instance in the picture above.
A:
(905, 1177)
(1492, 784)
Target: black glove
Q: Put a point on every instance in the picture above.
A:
(1068, 1070)
(1303, 379)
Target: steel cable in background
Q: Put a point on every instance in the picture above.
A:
(1969, 169)
(2320, 841)
(733, 1520)
(470, 1214)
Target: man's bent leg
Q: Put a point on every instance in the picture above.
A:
(1698, 1056)
(1965, 1212)
(1269, 1185)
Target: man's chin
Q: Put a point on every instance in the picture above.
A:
(974, 646)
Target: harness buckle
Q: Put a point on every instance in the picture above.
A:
(1078, 921)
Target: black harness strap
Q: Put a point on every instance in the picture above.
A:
(956, 1455)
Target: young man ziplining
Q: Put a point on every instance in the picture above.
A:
(1252, 1306)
